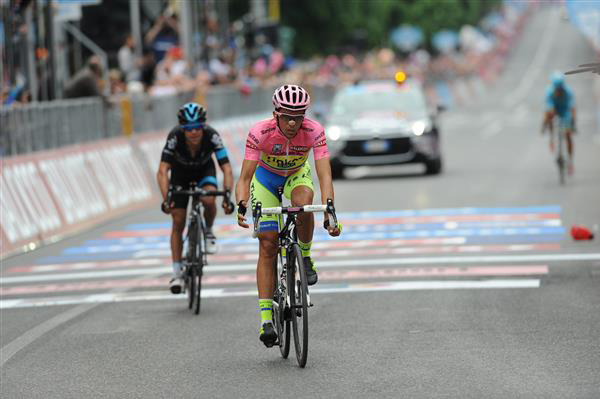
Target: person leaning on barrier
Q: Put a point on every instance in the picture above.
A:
(187, 155)
(87, 82)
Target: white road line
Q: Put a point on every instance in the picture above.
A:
(25, 339)
(225, 293)
(493, 129)
(322, 264)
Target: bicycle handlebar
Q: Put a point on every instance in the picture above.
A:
(329, 209)
(278, 210)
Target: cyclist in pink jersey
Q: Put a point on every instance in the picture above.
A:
(277, 150)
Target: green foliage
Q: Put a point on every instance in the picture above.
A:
(327, 26)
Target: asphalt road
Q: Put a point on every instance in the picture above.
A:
(462, 285)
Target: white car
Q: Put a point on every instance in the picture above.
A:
(382, 122)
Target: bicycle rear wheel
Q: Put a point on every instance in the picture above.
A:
(298, 289)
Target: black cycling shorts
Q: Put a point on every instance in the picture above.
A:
(183, 178)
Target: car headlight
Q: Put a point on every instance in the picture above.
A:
(335, 132)
(418, 128)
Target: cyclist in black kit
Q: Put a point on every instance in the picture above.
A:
(188, 155)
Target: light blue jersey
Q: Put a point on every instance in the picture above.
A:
(561, 104)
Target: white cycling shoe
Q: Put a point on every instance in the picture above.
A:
(176, 285)
(211, 243)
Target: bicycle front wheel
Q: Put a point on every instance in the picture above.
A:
(281, 316)
(191, 286)
(191, 258)
(298, 289)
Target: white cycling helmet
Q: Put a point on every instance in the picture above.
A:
(291, 98)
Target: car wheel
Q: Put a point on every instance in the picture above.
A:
(433, 167)
(337, 170)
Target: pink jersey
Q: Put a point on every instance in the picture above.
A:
(280, 155)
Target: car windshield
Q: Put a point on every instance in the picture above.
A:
(410, 103)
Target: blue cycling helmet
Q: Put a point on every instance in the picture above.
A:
(191, 113)
(558, 80)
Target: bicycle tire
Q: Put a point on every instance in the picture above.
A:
(299, 304)
(561, 170)
(282, 325)
(560, 160)
(201, 260)
(191, 259)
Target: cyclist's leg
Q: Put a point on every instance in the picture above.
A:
(208, 182)
(178, 215)
(300, 189)
(263, 188)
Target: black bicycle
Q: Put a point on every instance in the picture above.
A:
(195, 258)
(291, 298)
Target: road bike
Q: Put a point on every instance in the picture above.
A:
(291, 298)
(561, 158)
(194, 257)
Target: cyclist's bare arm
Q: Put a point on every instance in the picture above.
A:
(242, 188)
(228, 185)
(548, 118)
(162, 178)
(227, 176)
(323, 169)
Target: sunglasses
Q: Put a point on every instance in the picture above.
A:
(192, 126)
(286, 118)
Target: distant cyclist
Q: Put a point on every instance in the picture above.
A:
(277, 150)
(560, 102)
(188, 156)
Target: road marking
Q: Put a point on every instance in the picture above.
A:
(28, 337)
(222, 279)
(243, 292)
(372, 262)
(493, 129)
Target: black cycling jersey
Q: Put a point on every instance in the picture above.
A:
(178, 155)
(200, 168)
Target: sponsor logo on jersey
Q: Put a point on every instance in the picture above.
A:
(299, 148)
(268, 130)
(277, 148)
(171, 143)
(283, 163)
(320, 143)
(253, 138)
(216, 140)
(322, 134)
(250, 145)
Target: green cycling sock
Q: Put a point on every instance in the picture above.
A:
(266, 310)
(305, 248)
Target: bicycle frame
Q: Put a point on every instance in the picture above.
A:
(195, 257)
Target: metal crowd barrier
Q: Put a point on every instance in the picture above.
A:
(47, 125)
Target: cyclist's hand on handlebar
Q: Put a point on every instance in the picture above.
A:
(333, 231)
(241, 219)
(166, 207)
(228, 207)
